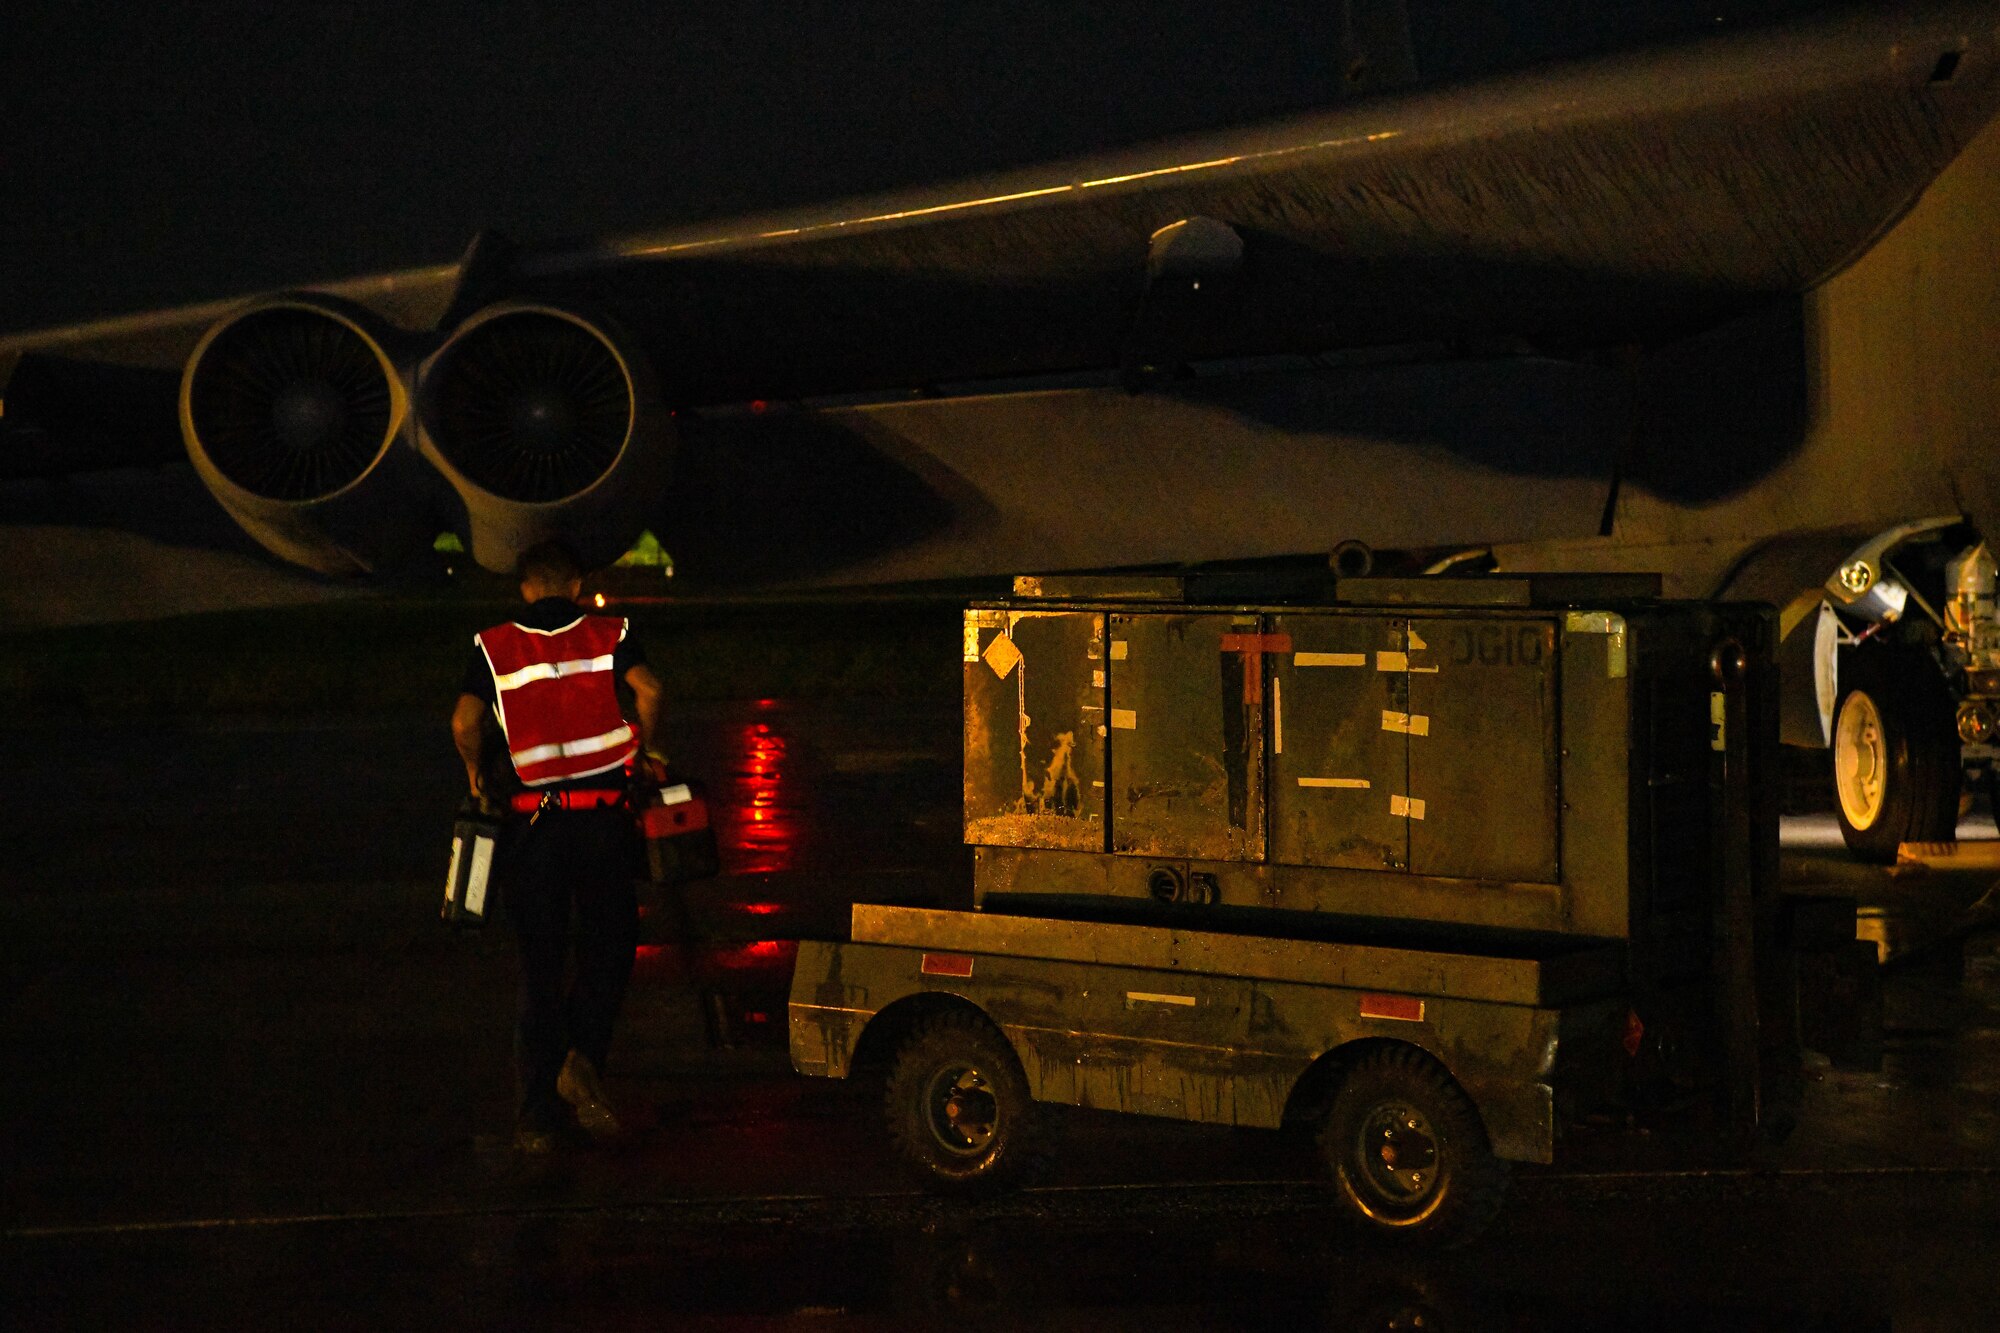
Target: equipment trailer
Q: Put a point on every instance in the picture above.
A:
(1438, 865)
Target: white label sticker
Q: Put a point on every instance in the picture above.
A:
(1118, 650)
(1356, 784)
(1125, 719)
(678, 794)
(1330, 659)
(1406, 806)
(475, 884)
(451, 875)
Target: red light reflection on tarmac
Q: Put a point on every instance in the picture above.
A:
(757, 821)
(773, 956)
(660, 964)
(753, 967)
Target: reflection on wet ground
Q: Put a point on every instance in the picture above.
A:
(759, 821)
(229, 1009)
(1726, 1254)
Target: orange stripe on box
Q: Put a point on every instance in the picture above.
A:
(947, 965)
(1256, 643)
(1402, 1008)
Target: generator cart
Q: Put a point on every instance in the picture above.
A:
(1437, 865)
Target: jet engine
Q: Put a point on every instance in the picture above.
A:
(293, 413)
(547, 424)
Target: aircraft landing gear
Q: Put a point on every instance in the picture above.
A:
(1895, 753)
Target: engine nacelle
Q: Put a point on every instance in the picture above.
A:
(547, 424)
(293, 412)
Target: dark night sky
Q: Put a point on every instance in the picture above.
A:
(156, 153)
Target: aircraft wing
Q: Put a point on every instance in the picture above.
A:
(1617, 200)
(1624, 200)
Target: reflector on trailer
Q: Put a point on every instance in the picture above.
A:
(1402, 1008)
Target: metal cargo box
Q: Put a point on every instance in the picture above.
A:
(1507, 759)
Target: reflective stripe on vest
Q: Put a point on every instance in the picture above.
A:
(557, 699)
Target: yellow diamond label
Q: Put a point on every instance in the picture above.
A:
(1002, 655)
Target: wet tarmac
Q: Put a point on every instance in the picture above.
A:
(253, 1083)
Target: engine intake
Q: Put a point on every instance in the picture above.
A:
(547, 424)
(292, 411)
(291, 405)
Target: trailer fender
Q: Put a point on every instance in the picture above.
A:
(1516, 1106)
(852, 1005)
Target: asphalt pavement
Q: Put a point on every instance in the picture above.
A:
(254, 1083)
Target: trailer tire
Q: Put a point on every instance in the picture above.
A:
(1408, 1151)
(1895, 754)
(958, 1108)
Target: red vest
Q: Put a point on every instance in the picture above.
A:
(558, 699)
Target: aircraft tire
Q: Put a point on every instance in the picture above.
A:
(1895, 754)
(1408, 1152)
(958, 1108)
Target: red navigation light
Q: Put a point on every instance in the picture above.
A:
(758, 407)
(760, 909)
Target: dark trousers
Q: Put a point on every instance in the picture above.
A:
(580, 862)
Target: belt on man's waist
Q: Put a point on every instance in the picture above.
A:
(579, 798)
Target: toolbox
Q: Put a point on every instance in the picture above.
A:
(680, 843)
(466, 884)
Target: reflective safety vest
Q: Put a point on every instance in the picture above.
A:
(557, 698)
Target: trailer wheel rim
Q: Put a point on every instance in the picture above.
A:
(1399, 1155)
(1860, 760)
(960, 1109)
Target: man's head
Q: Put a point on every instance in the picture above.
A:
(549, 569)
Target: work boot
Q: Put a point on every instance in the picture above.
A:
(578, 1085)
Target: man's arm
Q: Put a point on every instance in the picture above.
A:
(468, 722)
(647, 700)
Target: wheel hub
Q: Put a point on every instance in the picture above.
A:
(1399, 1153)
(962, 1112)
(1860, 760)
